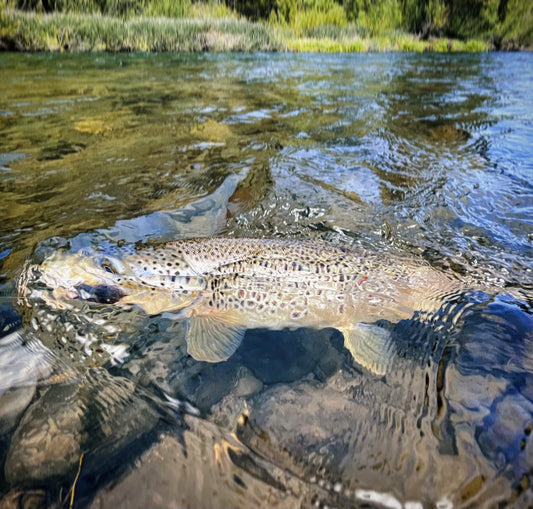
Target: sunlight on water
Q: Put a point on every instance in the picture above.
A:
(406, 156)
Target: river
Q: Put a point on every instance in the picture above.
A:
(427, 155)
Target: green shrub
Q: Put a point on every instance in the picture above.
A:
(333, 25)
(303, 21)
(253, 9)
(429, 17)
(516, 27)
(475, 45)
(378, 16)
(167, 8)
(442, 45)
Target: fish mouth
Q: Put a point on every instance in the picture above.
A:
(100, 294)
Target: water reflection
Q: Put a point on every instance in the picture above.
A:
(424, 154)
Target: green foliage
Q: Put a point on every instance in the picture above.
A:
(402, 41)
(425, 18)
(120, 8)
(468, 17)
(253, 9)
(506, 24)
(211, 10)
(378, 16)
(516, 27)
(475, 45)
(305, 17)
(94, 32)
(441, 45)
(167, 8)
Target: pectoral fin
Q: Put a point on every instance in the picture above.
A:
(214, 337)
(371, 346)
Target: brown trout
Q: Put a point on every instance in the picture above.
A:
(225, 286)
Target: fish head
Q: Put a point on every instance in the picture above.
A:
(81, 275)
(142, 279)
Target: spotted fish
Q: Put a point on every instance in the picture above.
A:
(225, 286)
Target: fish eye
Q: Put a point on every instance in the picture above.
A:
(109, 264)
(108, 268)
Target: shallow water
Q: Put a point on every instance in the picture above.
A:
(424, 155)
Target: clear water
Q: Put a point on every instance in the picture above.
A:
(428, 155)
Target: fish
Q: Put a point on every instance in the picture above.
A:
(224, 286)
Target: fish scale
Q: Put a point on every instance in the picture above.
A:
(225, 286)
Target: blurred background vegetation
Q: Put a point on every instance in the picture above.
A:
(504, 22)
(500, 24)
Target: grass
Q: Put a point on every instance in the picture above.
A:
(203, 31)
(94, 32)
(393, 40)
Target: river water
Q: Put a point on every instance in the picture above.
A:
(430, 156)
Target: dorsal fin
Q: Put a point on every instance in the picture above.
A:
(214, 337)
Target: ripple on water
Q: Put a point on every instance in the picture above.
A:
(423, 154)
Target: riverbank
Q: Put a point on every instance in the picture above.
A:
(57, 32)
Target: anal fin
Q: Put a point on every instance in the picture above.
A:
(371, 346)
(214, 337)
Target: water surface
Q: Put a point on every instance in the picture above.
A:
(424, 155)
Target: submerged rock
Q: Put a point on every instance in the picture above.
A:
(213, 131)
(48, 441)
(204, 469)
(12, 403)
(99, 417)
